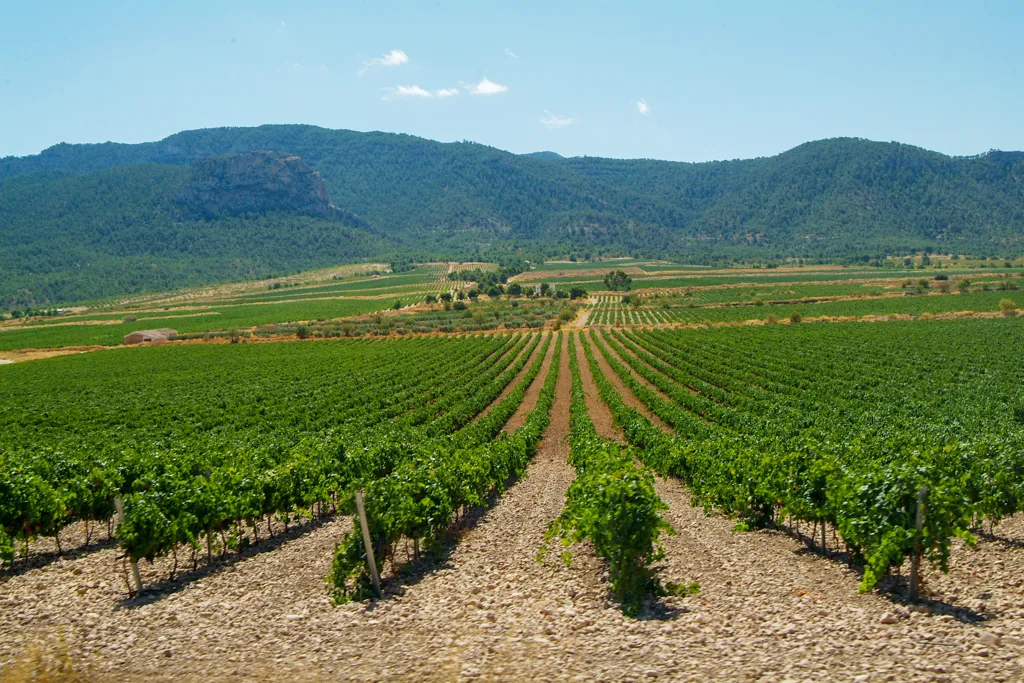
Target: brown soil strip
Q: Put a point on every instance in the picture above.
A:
(510, 387)
(615, 354)
(599, 412)
(627, 396)
(518, 419)
(654, 369)
(22, 355)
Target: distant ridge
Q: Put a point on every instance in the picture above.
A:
(80, 221)
(544, 155)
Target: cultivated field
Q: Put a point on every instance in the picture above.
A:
(669, 486)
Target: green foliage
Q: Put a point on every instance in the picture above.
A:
(617, 280)
(612, 503)
(105, 212)
(763, 439)
(418, 499)
(274, 429)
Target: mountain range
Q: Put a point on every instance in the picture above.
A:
(94, 220)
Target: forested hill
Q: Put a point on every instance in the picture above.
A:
(92, 220)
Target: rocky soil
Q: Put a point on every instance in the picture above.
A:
(768, 609)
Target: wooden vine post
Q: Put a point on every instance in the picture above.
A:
(367, 543)
(915, 559)
(135, 565)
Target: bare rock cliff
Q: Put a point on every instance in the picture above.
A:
(255, 182)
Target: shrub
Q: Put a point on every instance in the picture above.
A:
(302, 332)
(459, 305)
(795, 317)
(618, 281)
(431, 299)
(941, 276)
(130, 318)
(1008, 308)
(963, 285)
(771, 319)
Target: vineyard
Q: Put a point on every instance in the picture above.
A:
(549, 482)
(612, 311)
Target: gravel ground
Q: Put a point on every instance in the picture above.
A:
(768, 609)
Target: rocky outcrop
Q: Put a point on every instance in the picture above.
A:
(255, 182)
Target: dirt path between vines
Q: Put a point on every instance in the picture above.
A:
(627, 396)
(605, 336)
(599, 412)
(510, 387)
(533, 391)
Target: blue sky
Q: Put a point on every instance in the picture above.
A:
(687, 81)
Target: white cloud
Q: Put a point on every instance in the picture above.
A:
(511, 54)
(416, 91)
(555, 121)
(487, 87)
(284, 24)
(393, 58)
(410, 91)
(643, 107)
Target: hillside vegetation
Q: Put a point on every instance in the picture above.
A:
(85, 221)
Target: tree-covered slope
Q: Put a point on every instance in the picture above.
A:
(74, 216)
(73, 237)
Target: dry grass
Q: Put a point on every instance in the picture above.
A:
(43, 663)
